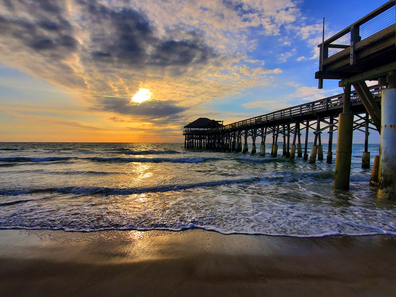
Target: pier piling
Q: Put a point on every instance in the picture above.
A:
(344, 144)
(330, 145)
(299, 151)
(306, 141)
(366, 153)
(245, 145)
(263, 137)
(387, 180)
(254, 133)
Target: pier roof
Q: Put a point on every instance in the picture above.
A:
(203, 123)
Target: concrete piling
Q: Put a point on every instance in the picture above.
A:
(253, 151)
(366, 160)
(274, 150)
(262, 149)
(344, 151)
(312, 158)
(292, 151)
(330, 144)
(306, 141)
(366, 153)
(320, 152)
(375, 172)
(387, 173)
(245, 148)
(299, 151)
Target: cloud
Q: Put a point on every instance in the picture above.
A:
(150, 108)
(285, 56)
(185, 52)
(268, 105)
(311, 93)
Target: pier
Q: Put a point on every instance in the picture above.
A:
(364, 51)
(285, 126)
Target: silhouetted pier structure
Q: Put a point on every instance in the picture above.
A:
(364, 51)
(283, 125)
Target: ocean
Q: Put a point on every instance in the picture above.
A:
(146, 186)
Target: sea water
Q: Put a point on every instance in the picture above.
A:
(131, 186)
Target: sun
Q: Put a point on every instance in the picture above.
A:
(141, 96)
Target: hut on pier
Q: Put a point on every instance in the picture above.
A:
(197, 132)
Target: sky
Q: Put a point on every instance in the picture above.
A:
(69, 68)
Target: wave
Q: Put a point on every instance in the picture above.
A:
(170, 152)
(106, 191)
(151, 160)
(34, 160)
(8, 165)
(14, 160)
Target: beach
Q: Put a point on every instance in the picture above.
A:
(193, 263)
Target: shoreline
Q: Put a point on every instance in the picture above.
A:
(193, 263)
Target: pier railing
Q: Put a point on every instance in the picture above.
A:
(325, 104)
(379, 22)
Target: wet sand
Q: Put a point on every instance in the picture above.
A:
(193, 263)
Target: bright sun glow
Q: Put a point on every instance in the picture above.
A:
(142, 95)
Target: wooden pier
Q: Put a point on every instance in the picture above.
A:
(284, 125)
(364, 51)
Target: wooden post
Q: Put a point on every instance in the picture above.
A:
(366, 153)
(306, 141)
(263, 136)
(288, 141)
(284, 140)
(293, 147)
(320, 147)
(245, 145)
(299, 151)
(330, 145)
(254, 133)
(314, 149)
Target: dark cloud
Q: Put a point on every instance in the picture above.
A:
(48, 30)
(126, 37)
(151, 108)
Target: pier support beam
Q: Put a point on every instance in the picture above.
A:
(284, 141)
(254, 134)
(239, 144)
(320, 147)
(312, 157)
(288, 141)
(387, 175)
(330, 145)
(274, 150)
(366, 153)
(306, 141)
(299, 151)
(344, 145)
(293, 146)
(314, 149)
(245, 145)
(262, 146)
(292, 151)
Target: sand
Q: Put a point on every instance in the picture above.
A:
(193, 263)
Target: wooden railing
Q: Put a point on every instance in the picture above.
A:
(329, 103)
(351, 34)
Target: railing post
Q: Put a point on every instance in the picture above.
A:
(355, 38)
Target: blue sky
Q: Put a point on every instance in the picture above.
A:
(68, 69)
